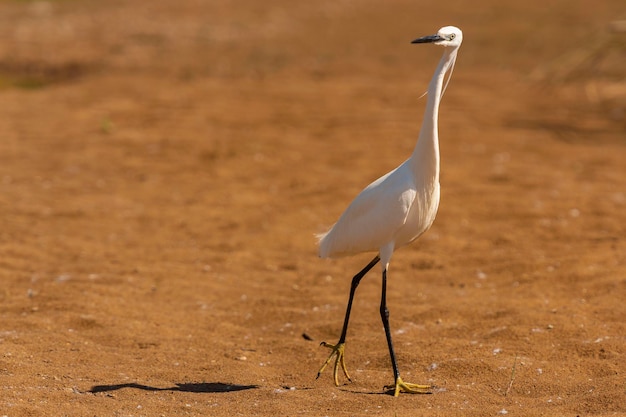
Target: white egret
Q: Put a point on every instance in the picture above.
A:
(394, 210)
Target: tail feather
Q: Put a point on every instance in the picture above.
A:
(323, 242)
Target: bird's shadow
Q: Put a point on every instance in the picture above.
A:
(197, 387)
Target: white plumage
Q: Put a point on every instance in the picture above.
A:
(395, 209)
(402, 204)
(389, 211)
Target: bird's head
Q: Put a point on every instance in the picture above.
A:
(446, 36)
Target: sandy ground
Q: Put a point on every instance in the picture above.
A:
(164, 167)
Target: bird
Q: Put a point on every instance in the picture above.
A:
(394, 210)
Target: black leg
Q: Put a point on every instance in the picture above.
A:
(384, 314)
(399, 384)
(355, 283)
(338, 349)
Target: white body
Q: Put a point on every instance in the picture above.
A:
(398, 207)
(403, 214)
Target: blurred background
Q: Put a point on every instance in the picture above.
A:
(164, 166)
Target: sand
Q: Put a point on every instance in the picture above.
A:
(164, 167)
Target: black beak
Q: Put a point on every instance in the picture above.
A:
(428, 39)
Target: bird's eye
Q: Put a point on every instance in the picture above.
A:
(452, 36)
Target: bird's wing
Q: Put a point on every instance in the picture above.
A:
(374, 217)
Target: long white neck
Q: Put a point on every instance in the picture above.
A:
(425, 158)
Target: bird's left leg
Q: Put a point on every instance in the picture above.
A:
(400, 385)
(339, 348)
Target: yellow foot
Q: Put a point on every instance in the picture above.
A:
(402, 386)
(338, 351)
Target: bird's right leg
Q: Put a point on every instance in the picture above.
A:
(400, 385)
(338, 349)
